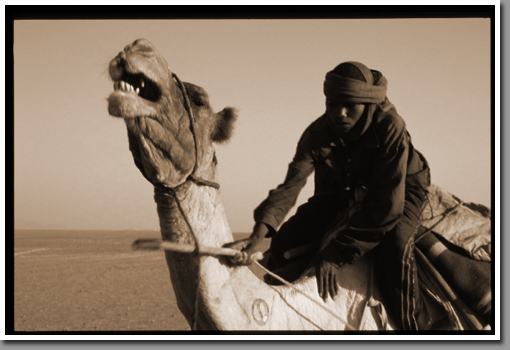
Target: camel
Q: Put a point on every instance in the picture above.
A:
(171, 133)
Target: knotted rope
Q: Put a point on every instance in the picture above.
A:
(199, 181)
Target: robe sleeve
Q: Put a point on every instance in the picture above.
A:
(280, 200)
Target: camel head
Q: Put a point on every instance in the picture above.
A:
(151, 101)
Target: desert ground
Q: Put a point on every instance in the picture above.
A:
(92, 281)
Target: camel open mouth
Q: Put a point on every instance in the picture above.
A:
(139, 84)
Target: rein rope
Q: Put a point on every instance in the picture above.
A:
(199, 181)
(288, 284)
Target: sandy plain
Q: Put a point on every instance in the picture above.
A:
(92, 281)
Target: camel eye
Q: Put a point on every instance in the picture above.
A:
(197, 101)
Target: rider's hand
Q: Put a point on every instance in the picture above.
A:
(327, 282)
(249, 246)
(239, 245)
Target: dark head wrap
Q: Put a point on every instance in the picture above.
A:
(353, 82)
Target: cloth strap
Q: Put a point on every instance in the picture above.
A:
(338, 88)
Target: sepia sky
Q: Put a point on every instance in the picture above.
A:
(73, 169)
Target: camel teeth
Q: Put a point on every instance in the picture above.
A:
(125, 87)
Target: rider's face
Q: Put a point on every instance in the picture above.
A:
(344, 115)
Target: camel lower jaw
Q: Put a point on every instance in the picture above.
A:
(129, 105)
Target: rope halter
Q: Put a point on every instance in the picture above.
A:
(197, 180)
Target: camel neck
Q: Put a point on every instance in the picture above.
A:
(198, 205)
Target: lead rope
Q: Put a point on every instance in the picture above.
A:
(194, 321)
(288, 284)
(198, 181)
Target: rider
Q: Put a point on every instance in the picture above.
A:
(370, 189)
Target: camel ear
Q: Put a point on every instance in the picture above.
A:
(224, 124)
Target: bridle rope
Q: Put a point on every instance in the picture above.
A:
(187, 104)
(199, 181)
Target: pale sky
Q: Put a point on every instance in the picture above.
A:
(73, 168)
